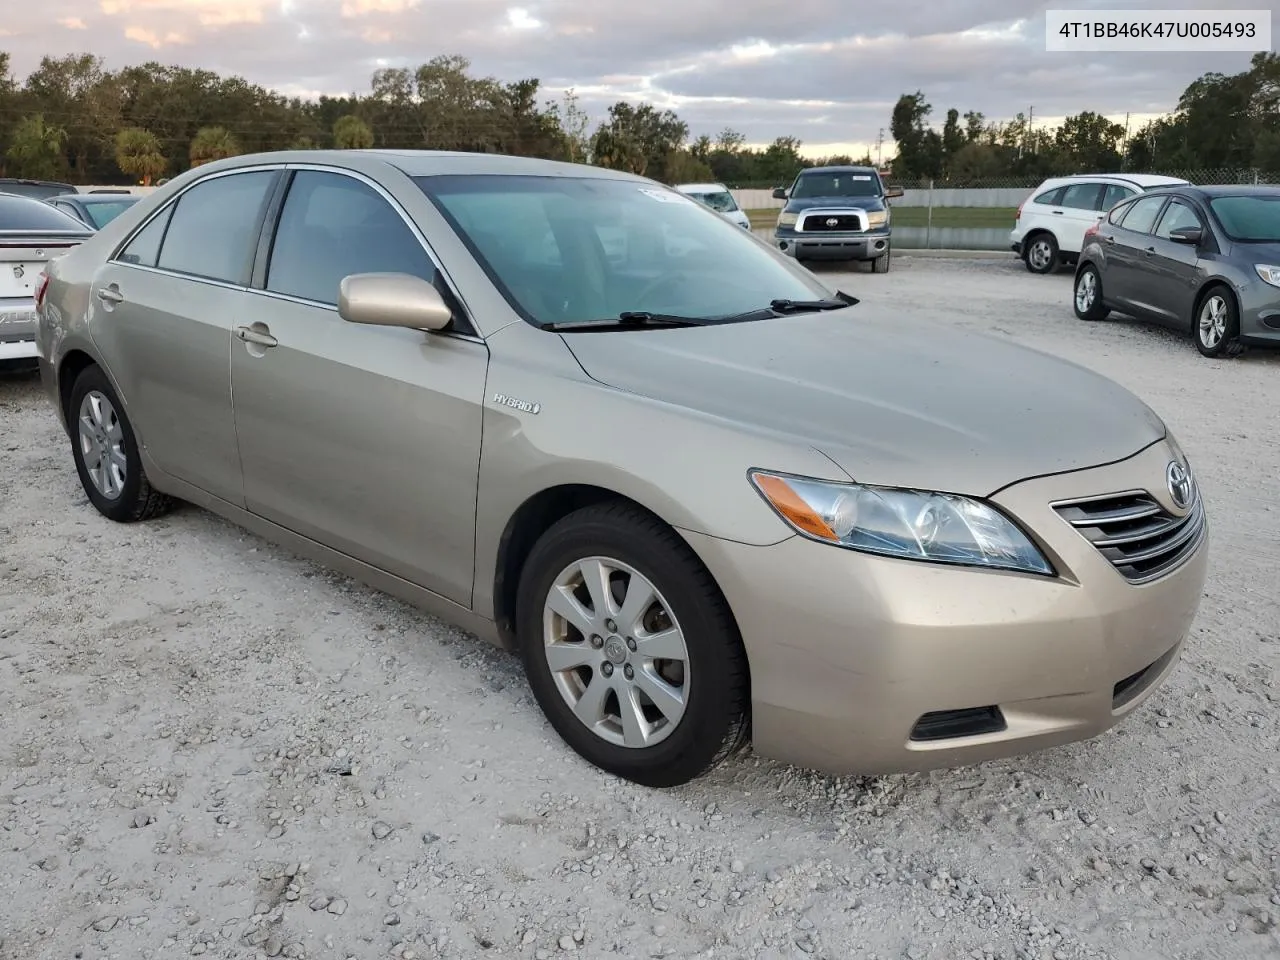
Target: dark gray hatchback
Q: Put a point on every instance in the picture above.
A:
(1204, 260)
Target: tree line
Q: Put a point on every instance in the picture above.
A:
(1222, 122)
(75, 119)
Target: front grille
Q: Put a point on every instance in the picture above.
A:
(821, 223)
(1136, 534)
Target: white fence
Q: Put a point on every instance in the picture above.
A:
(940, 197)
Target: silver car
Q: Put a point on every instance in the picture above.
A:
(707, 498)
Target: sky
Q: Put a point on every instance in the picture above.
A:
(824, 71)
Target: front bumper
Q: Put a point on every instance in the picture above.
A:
(849, 652)
(1259, 314)
(832, 246)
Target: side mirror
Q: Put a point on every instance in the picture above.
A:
(1191, 236)
(392, 300)
(891, 192)
(779, 193)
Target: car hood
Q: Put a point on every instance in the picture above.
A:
(894, 401)
(796, 205)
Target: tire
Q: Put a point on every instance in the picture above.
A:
(714, 722)
(1040, 253)
(97, 422)
(881, 263)
(1087, 295)
(1216, 327)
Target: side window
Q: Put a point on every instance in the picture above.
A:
(213, 229)
(144, 248)
(1177, 214)
(1142, 214)
(332, 226)
(1118, 213)
(1050, 198)
(1081, 196)
(1113, 193)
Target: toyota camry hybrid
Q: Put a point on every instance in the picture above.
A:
(708, 499)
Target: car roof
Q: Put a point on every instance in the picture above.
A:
(1143, 180)
(97, 197)
(839, 168)
(41, 183)
(418, 163)
(1208, 191)
(700, 187)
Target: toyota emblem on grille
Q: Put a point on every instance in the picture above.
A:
(1181, 486)
(19, 272)
(832, 221)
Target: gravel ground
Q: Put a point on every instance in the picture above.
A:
(213, 748)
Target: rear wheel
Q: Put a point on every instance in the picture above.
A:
(1088, 294)
(1217, 325)
(106, 452)
(630, 648)
(1040, 253)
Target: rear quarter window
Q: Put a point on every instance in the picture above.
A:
(1050, 198)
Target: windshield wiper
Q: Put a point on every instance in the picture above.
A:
(785, 307)
(629, 319)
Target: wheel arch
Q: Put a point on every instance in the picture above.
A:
(537, 514)
(1201, 293)
(73, 363)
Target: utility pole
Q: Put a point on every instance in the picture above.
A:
(880, 149)
(1031, 119)
(1124, 155)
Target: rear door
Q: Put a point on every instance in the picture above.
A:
(1076, 213)
(162, 312)
(1125, 282)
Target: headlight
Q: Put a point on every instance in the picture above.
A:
(1268, 273)
(877, 218)
(908, 524)
(788, 219)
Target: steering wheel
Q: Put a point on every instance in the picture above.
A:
(657, 284)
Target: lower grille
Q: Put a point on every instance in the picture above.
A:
(1140, 538)
(820, 223)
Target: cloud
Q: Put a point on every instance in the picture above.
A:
(818, 70)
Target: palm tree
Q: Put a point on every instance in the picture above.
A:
(35, 148)
(213, 143)
(138, 154)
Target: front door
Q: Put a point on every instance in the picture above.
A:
(164, 309)
(364, 438)
(1171, 273)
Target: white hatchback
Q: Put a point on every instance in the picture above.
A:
(718, 198)
(1049, 227)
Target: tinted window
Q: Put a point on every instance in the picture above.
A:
(103, 213)
(1081, 196)
(26, 214)
(1118, 213)
(836, 185)
(144, 248)
(1113, 193)
(1249, 219)
(588, 248)
(1178, 214)
(214, 227)
(1142, 214)
(332, 226)
(1050, 198)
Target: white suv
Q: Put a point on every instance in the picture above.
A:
(1049, 227)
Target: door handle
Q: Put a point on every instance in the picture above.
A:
(259, 337)
(1057, 213)
(1150, 251)
(110, 295)
(1110, 239)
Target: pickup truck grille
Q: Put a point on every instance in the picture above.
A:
(1139, 537)
(831, 222)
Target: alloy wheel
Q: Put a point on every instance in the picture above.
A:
(101, 439)
(1086, 291)
(616, 653)
(1213, 321)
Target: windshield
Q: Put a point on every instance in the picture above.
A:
(104, 212)
(577, 249)
(25, 215)
(836, 185)
(1249, 219)
(721, 201)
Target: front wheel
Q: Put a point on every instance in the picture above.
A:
(1088, 295)
(1041, 253)
(1217, 327)
(630, 649)
(881, 263)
